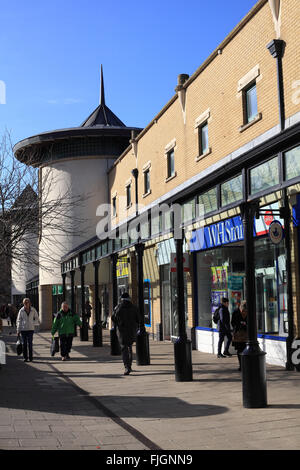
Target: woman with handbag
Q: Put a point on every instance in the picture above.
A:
(27, 319)
(64, 322)
(239, 324)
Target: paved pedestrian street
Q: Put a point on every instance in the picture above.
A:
(87, 403)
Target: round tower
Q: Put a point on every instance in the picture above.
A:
(73, 165)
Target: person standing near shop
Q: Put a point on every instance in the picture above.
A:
(88, 312)
(12, 314)
(126, 318)
(64, 322)
(27, 319)
(239, 324)
(224, 328)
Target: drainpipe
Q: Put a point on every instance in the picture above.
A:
(276, 48)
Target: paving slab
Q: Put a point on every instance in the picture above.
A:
(87, 403)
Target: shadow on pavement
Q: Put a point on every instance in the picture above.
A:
(40, 387)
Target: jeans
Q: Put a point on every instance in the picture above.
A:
(27, 337)
(222, 334)
(65, 344)
(126, 350)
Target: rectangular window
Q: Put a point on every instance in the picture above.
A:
(203, 138)
(250, 102)
(264, 176)
(104, 248)
(232, 191)
(114, 206)
(171, 164)
(188, 211)
(208, 202)
(145, 232)
(146, 181)
(292, 163)
(128, 195)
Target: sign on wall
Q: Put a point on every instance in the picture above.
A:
(173, 264)
(230, 231)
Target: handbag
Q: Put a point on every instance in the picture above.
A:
(240, 336)
(19, 347)
(54, 348)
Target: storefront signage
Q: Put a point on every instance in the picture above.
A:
(222, 233)
(230, 231)
(276, 232)
(185, 259)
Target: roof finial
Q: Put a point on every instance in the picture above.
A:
(102, 97)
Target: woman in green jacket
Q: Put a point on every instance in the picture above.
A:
(64, 322)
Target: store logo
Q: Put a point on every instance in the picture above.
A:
(222, 233)
(296, 353)
(2, 353)
(2, 92)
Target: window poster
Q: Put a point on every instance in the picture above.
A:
(216, 297)
(219, 286)
(235, 290)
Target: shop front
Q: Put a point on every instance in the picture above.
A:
(218, 251)
(166, 251)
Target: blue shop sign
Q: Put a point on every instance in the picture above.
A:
(222, 233)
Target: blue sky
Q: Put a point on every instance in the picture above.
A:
(51, 52)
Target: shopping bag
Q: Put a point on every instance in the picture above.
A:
(54, 348)
(19, 347)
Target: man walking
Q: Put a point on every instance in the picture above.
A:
(64, 322)
(224, 328)
(126, 319)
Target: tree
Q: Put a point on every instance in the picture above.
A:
(30, 212)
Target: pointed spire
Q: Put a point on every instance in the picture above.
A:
(102, 96)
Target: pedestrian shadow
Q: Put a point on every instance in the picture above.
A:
(157, 407)
(28, 389)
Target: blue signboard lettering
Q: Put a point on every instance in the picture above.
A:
(222, 233)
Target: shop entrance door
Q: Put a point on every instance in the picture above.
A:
(266, 300)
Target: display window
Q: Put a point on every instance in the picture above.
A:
(221, 273)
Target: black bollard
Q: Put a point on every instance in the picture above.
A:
(253, 365)
(142, 348)
(97, 335)
(183, 360)
(115, 349)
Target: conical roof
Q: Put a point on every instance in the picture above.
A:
(101, 134)
(102, 116)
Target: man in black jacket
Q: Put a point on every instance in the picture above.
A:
(126, 319)
(224, 328)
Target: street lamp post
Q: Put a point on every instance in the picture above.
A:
(84, 333)
(115, 349)
(97, 329)
(183, 346)
(253, 358)
(142, 339)
(72, 274)
(64, 275)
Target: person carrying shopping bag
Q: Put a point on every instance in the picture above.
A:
(27, 319)
(64, 322)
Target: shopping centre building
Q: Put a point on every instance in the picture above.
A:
(229, 137)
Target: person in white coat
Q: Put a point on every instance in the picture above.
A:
(27, 319)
